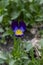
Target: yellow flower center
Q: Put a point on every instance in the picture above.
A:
(18, 32)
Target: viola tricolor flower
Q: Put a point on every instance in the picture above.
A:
(18, 28)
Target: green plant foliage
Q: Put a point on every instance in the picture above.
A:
(41, 42)
(31, 12)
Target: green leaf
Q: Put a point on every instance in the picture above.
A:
(28, 15)
(27, 1)
(28, 46)
(25, 57)
(2, 56)
(1, 61)
(40, 18)
(24, 1)
(30, 0)
(4, 3)
(41, 42)
(16, 1)
(15, 15)
(1, 18)
(41, 1)
(1, 30)
(8, 32)
(5, 34)
(12, 62)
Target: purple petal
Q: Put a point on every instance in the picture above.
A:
(16, 28)
(21, 28)
(14, 24)
(22, 25)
